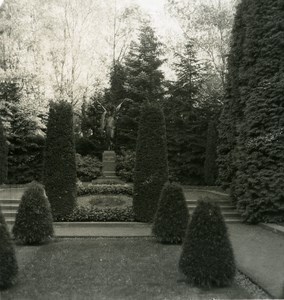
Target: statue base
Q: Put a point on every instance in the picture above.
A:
(109, 163)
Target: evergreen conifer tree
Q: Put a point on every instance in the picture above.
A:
(251, 144)
(60, 162)
(151, 168)
(259, 155)
(210, 166)
(33, 224)
(172, 215)
(3, 155)
(8, 261)
(186, 119)
(207, 257)
(143, 81)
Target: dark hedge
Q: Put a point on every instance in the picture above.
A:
(3, 155)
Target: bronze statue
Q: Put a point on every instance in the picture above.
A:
(108, 120)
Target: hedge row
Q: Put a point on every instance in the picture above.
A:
(93, 189)
(87, 214)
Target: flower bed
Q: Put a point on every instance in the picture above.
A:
(91, 214)
(103, 189)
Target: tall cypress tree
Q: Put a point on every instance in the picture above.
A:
(3, 155)
(60, 164)
(151, 169)
(143, 81)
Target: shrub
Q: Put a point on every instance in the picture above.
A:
(151, 168)
(172, 215)
(88, 167)
(33, 224)
(3, 155)
(93, 189)
(125, 164)
(8, 262)
(92, 214)
(207, 257)
(60, 163)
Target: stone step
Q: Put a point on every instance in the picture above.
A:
(10, 201)
(10, 220)
(226, 214)
(223, 207)
(9, 213)
(9, 207)
(220, 202)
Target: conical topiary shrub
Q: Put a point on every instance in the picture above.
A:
(8, 262)
(151, 166)
(33, 223)
(172, 215)
(207, 257)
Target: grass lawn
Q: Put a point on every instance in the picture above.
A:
(119, 268)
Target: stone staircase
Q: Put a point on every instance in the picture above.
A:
(227, 208)
(9, 209)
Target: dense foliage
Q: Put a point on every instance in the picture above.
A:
(24, 134)
(210, 165)
(151, 168)
(207, 257)
(94, 189)
(8, 261)
(33, 224)
(3, 155)
(188, 108)
(88, 167)
(143, 81)
(125, 164)
(252, 148)
(172, 215)
(93, 214)
(60, 162)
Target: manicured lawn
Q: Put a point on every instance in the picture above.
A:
(119, 268)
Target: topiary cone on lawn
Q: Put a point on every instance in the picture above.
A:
(8, 261)
(33, 223)
(207, 257)
(172, 215)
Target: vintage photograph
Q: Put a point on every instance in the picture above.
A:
(141, 149)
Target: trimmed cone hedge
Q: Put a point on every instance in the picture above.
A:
(33, 224)
(151, 168)
(8, 262)
(172, 215)
(60, 161)
(207, 257)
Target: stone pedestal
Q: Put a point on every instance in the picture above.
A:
(109, 158)
(109, 162)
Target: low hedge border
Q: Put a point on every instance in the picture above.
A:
(94, 189)
(88, 214)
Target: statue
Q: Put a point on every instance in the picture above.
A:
(108, 120)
